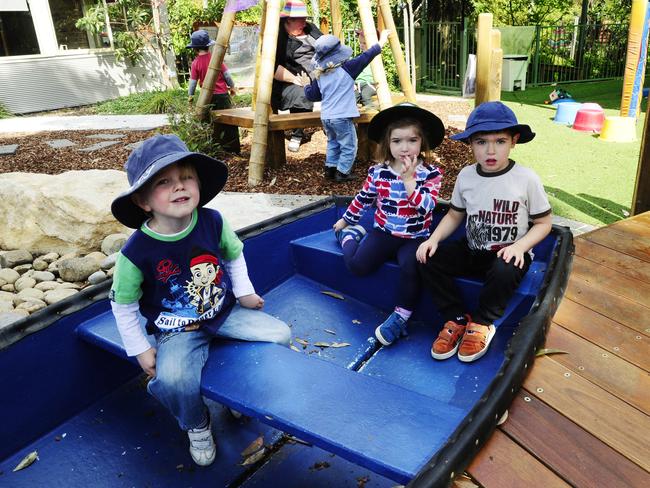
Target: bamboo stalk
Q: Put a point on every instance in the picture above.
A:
(377, 67)
(258, 54)
(263, 100)
(483, 54)
(218, 52)
(324, 25)
(496, 64)
(337, 22)
(402, 72)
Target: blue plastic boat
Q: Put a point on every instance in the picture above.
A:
(335, 410)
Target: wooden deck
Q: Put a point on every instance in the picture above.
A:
(583, 418)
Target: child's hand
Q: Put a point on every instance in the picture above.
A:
(302, 80)
(408, 167)
(340, 225)
(251, 301)
(425, 250)
(232, 91)
(510, 252)
(383, 37)
(147, 361)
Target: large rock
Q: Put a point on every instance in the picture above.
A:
(11, 259)
(77, 269)
(60, 213)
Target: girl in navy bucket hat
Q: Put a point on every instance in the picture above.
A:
(183, 269)
(496, 198)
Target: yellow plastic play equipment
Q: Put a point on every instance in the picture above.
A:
(637, 52)
(618, 129)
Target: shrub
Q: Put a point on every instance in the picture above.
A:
(196, 134)
(4, 113)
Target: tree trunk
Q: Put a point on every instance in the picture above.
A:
(163, 39)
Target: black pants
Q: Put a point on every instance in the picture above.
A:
(229, 134)
(457, 259)
(287, 96)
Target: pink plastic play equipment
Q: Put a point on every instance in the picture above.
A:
(589, 118)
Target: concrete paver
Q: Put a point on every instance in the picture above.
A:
(108, 137)
(8, 149)
(60, 143)
(99, 145)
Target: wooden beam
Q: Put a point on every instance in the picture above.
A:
(483, 55)
(337, 22)
(377, 67)
(641, 198)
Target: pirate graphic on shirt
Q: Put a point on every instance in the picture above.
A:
(204, 288)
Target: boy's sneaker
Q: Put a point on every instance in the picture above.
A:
(355, 232)
(476, 341)
(391, 329)
(329, 172)
(343, 177)
(202, 447)
(448, 341)
(294, 144)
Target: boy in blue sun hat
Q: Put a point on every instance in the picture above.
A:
(183, 269)
(333, 84)
(499, 199)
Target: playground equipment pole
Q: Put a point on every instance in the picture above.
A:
(258, 53)
(641, 198)
(483, 54)
(337, 23)
(496, 62)
(637, 52)
(214, 68)
(396, 48)
(377, 67)
(324, 26)
(263, 99)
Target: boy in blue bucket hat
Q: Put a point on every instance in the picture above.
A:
(183, 269)
(499, 199)
(333, 83)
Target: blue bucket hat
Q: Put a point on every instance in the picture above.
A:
(432, 126)
(200, 40)
(155, 154)
(329, 52)
(494, 116)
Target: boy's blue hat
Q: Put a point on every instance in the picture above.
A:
(200, 40)
(329, 52)
(494, 116)
(155, 154)
(434, 129)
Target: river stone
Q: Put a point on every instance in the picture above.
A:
(43, 276)
(40, 265)
(5, 295)
(97, 256)
(97, 277)
(50, 257)
(8, 287)
(46, 285)
(23, 268)
(24, 282)
(73, 286)
(9, 275)
(113, 243)
(110, 272)
(109, 262)
(59, 294)
(11, 259)
(6, 306)
(29, 293)
(59, 213)
(32, 305)
(77, 269)
(7, 318)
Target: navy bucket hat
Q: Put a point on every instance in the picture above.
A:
(329, 52)
(491, 117)
(155, 154)
(200, 40)
(434, 129)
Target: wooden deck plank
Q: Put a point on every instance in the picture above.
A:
(576, 455)
(619, 425)
(622, 379)
(622, 240)
(502, 463)
(614, 306)
(612, 336)
(612, 281)
(630, 266)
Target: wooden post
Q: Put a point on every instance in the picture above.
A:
(324, 25)
(377, 67)
(263, 100)
(163, 35)
(258, 53)
(337, 22)
(483, 54)
(641, 198)
(396, 48)
(218, 52)
(496, 62)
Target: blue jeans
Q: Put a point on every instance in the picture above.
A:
(341, 144)
(180, 358)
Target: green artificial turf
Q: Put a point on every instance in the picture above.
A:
(587, 179)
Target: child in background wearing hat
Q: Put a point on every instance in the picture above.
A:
(499, 198)
(183, 269)
(404, 189)
(223, 88)
(333, 83)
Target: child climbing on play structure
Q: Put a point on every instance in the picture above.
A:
(499, 198)
(333, 83)
(405, 189)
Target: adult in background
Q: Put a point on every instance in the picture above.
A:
(296, 40)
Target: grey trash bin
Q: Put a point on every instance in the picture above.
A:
(513, 73)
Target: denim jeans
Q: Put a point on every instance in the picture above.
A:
(341, 144)
(180, 358)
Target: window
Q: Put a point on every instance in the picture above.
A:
(65, 14)
(17, 35)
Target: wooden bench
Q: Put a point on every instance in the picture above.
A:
(278, 123)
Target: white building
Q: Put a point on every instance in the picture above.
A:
(47, 63)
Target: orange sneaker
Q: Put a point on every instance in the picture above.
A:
(476, 341)
(446, 345)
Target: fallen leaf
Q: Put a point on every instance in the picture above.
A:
(253, 447)
(548, 352)
(254, 458)
(503, 418)
(27, 461)
(273, 181)
(464, 481)
(332, 294)
(294, 348)
(303, 342)
(355, 321)
(330, 331)
(339, 344)
(322, 344)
